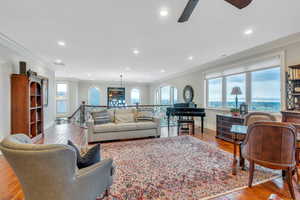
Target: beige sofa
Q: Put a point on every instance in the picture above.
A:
(124, 125)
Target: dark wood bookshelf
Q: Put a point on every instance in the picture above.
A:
(27, 105)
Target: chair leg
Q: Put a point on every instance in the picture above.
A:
(251, 173)
(290, 182)
(297, 163)
(242, 159)
(106, 194)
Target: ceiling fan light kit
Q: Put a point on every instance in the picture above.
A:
(190, 6)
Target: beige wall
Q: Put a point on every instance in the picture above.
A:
(196, 79)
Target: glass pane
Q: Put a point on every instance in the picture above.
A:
(157, 97)
(215, 92)
(94, 96)
(135, 96)
(238, 80)
(175, 95)
(61, 106)
(266, 90)
(61, 90)
(165, 95)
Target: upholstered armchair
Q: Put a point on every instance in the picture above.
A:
(49, 172)
(272, 145)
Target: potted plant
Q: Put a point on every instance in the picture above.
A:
(235, 112)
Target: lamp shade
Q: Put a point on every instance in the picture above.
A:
(236, 91)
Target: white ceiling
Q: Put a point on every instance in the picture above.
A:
(101, 34)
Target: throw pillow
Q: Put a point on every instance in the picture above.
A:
(145, 114)
(88, 159)
(101, 117)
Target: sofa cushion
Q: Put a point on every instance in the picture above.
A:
(126, 126)
(103, 128)
(145, 125)
(124, 115)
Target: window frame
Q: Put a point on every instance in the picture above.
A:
(248, 89)
(65, 98)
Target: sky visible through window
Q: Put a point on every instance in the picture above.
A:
(94, 96)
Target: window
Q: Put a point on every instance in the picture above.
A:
(156, 99)
(61, 98)
(165, 93)
(215, 92)
(135, 96)
(94, 96)
(265, 90)
(238, 80)
(260, 89)
(175, 95)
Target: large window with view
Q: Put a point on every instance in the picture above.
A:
(61, 99)
(215, 92)
(259, 84)
(265, 90)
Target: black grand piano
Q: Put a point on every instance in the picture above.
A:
(186, 110)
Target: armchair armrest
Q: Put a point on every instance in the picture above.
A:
(94, 180)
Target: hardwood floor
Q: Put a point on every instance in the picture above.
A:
(10, 188)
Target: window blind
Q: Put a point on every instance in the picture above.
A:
(245, 67)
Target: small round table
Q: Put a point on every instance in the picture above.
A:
(239, 133)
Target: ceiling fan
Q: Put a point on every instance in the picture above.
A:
(188, 10)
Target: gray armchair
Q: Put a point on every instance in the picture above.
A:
(49, 172)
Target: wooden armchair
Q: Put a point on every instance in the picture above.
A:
(272, 145)
(258, 116)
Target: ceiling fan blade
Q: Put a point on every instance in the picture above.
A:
(239, 3)
(188, 10)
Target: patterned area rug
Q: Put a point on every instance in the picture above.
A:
(178, 168)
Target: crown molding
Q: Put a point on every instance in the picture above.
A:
(19, 52)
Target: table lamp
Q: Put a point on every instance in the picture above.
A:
(236, 91)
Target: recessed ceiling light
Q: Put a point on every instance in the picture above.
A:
(58, 61)
(248, 31)
(61, 43)
(162, 71)
(190, 57)
(164, 12)
(136, 51)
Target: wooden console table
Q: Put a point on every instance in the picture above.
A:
(224, 124)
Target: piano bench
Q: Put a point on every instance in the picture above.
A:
(186, 121)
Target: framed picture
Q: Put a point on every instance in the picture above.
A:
(45, 91)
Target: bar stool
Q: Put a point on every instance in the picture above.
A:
(187, 122)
